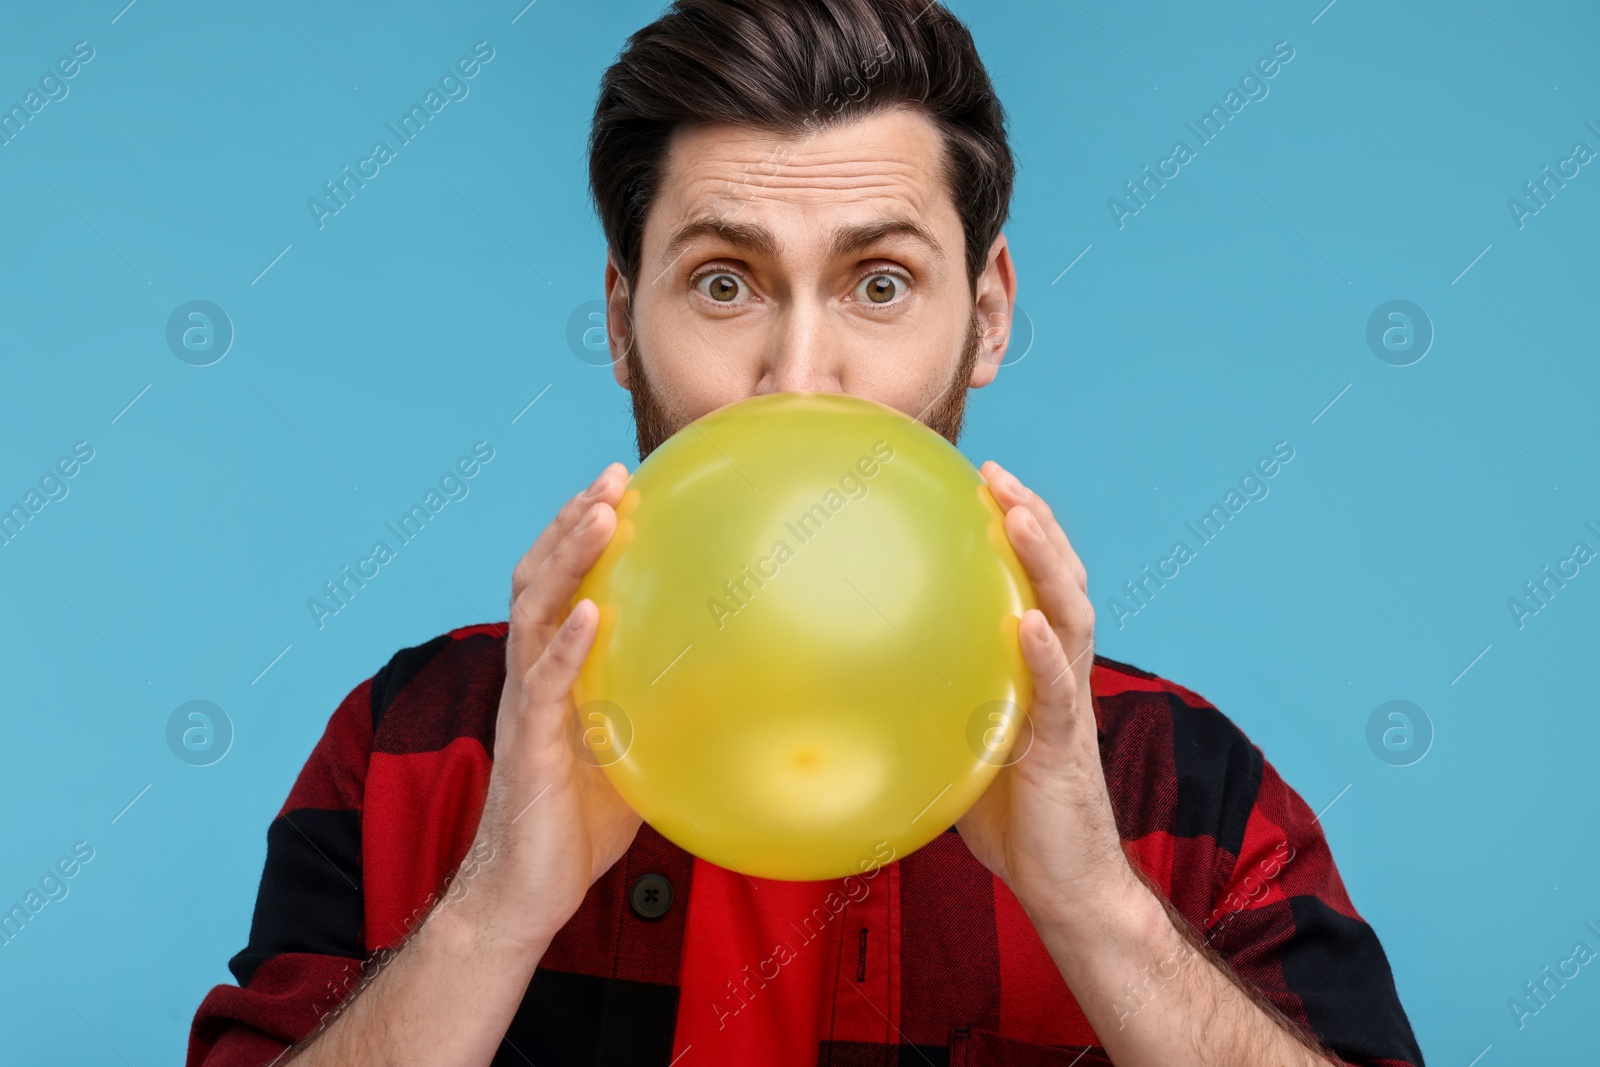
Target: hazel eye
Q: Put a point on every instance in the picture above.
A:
(721, 286)
(880, 288)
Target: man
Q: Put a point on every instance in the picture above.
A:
(796, 195)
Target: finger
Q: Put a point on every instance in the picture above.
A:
(1065, 604)
(542, 603)
(1058, 581)
(1011, 494)
(1058, 680)
(549, 680)
(607, 486)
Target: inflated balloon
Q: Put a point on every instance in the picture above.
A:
(807, 660)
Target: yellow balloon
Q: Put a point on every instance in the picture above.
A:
(807, 660)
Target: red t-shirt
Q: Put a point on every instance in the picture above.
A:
(754, 968)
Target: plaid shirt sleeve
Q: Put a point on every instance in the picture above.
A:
(1242, 860)
(306, 948)
(1285, 924)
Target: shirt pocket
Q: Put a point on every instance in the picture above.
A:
(972, 1047)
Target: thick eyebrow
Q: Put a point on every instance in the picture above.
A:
(757, 239)
(850, 240)
(846, 240)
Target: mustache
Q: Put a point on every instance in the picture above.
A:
(654, 421)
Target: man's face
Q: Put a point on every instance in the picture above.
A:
(832, 261)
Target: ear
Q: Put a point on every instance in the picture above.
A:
(995, 300)
(619, 320)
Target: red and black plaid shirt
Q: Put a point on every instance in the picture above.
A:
(936, 965)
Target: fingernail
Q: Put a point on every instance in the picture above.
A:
(1016, 487)
(594, 486)
(1032, 524)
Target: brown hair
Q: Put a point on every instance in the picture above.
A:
(796, 66)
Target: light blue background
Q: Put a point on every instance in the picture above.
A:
(434, 308)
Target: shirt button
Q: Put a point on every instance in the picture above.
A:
(651, 896)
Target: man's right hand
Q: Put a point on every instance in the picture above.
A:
(552, 823)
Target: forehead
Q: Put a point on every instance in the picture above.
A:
(890, 163)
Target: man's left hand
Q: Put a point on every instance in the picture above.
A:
(1045, 825)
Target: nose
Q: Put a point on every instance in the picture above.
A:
(805, 351)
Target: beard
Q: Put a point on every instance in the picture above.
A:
(944, 414)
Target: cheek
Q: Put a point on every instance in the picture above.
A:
(694, 365)
(915, 357)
